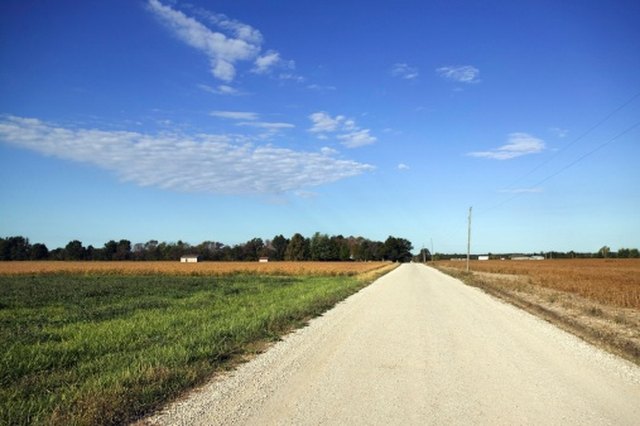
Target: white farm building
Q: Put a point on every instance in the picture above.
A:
(190, 258)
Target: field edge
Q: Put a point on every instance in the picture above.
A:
(546, 308)
(255, 348)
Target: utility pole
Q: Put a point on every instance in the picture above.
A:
(469, 240)
(432, 252)
(424, 255)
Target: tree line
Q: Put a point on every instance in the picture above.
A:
(320, 247)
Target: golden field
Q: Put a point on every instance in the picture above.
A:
(610, 281)
(200, 268)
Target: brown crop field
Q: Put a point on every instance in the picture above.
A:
(195, 269)
(609, 281)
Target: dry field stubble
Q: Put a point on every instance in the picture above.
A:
(609, 281)
(596, 299)
(195, 269)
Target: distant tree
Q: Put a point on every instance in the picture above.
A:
(123, 250)
(323, 248)
(151, 250)
(251, 249)
(138, 252)
(604, 252)
(109, 250)
(397, 249)
(368, 250)
(297, 249)
(91, 253)
(210, 250)
(74, 250)
(634, 253)
(359, 249)
(56, 254)
(343, 250)
(423, 255)
(173, 251)
(14, 248)
(234, 253)
(39, 252)
(267, 251)
(279, 245)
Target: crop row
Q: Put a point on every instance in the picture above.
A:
(194, 269)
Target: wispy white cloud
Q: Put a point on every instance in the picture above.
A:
(558, 132)
(357, 138)
(235, 115)
(403, 167)
(404, 71)
(460, 74)
(223, 164)
(271, 61)
(347, 131)
(249, 119)
(232, 42)
(239, 29)
(222, 89)
(267, 125)
(518, 144)
(284, 76)
(266, 62)
(223, 51)
(320, 88)
(323, 122)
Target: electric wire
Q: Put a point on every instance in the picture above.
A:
(574, 141)
(571, 164)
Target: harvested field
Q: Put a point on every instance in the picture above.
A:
(195, 269)
(609, 281)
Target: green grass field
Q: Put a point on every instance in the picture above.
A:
(106, 349)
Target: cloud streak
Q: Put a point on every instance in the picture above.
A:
(518, 144)
(347, 131)
(220, 164)
(460, 74)
(222, 51)
(232, 43)
(404, 71)
(249, 119)
(235, 115)
(222, 89)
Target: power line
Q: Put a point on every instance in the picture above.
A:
(573, 142)
(573, 163)
(593, 151)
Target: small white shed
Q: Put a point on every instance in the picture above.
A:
(263, 260)
(190, 258)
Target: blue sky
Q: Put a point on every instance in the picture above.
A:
(230, 120)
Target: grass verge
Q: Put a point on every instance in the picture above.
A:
(607, 326)
(107, 349)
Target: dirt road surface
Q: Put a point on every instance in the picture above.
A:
(418, 347)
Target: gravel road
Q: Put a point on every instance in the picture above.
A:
(419, 347)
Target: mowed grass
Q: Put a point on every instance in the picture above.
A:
(105, 349)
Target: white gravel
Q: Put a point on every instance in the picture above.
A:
(419, 347)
